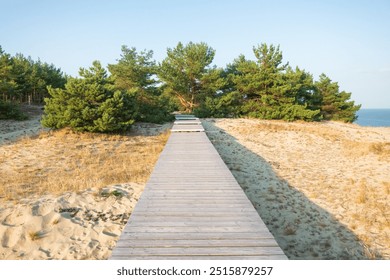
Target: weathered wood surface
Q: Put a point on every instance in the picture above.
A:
(187, 128)
(193, 208)
(185, 117)
(187, 124)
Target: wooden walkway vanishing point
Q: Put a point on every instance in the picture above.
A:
(193, 208)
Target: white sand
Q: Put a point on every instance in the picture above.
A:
(71, 226)
(11, 130)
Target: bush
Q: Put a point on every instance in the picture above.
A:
(10, 110)
(154, 109)
(90, 104)
(227, 105)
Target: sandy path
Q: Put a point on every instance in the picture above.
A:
(11, 130)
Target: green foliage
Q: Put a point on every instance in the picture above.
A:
(187, 75)
(226, 105)
(115, 193)
(7, 84)
(135, 73)
(25, 80)
(335, 105)
(271, 89)
(140, 90)
(90, 104)
(10, 110)
(155, 109)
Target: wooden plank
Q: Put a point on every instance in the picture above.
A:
(200, 219)
(209, 229)
(209, 257)
(203, 211)
(188, 122)
(185, 117)
(189, 215)
(193, 235)
(193, 208)
(189, 224)
(168, 202)
(202, 251)
(187, 128)
(179, 243)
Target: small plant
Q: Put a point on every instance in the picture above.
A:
(289, 230)
(115, 193)
(36, 235)
(362, 195)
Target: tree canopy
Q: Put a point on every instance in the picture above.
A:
(135, 73)
(24, 80)
(186, 74)
(267, 88)
(136, 88)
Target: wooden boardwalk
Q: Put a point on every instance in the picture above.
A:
(193, 208)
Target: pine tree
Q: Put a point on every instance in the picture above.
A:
(24, 80)
(135, 73)
(7, 85)
(89, 103)
(187, 75)
(335, 105)
(271, 89)
(303, 99)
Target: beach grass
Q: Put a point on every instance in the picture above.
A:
(60, 161)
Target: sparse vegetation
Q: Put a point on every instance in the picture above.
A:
(362, 193)
(112, 193)
(289, 230)
(341, 168)
(63, 160)
(382, 149)
(36, 235)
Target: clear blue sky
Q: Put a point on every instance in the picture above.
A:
(347, 40)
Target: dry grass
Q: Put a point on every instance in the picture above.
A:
(62, 161)
(362, 192)
(36, 235)
(382, 149)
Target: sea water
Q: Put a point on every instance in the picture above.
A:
(373, 117)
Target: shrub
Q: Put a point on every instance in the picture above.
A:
(10, 110)
(90, 104)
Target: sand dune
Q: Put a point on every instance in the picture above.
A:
(323, 189)
(66, 195)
